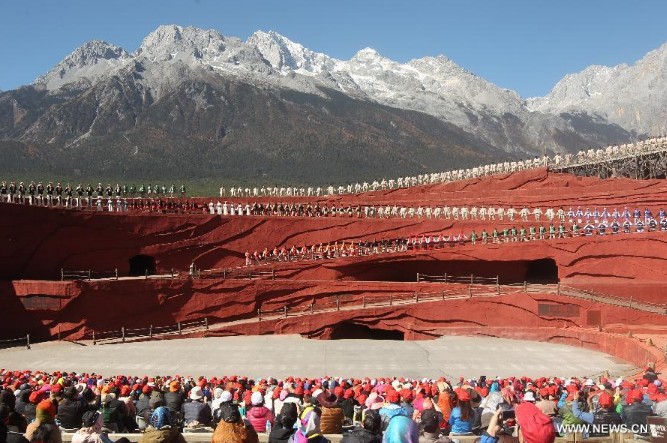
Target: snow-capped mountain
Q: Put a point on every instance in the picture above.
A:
(186, 86)
(93, 59)
(634, 97)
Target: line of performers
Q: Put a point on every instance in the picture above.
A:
(505, 234)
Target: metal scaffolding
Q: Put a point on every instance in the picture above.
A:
(641, 165)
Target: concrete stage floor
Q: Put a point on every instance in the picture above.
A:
(280, 356)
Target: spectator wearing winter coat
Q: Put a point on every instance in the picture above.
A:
(283, 428)
(309, 427)
(174, 398)
(660, 407)
(217, 398)
(15, 421)
(635, 412)
(258, 414)
(30, 410)
(231, 428)
(162, 428)
(22, 400)
(90, 430)
(392, 408)
(71, 409)
(6, 434)
(369, 432)
(605, 415)
(196, 412)
(401, 429)
(406, 402)
(143, 408)
(348, 404)
(430, 421)
(113, 413)
(332, 417)
(44, 428)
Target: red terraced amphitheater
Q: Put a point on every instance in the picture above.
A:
(601, 292)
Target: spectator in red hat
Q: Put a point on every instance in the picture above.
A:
(406, 401)
(462, 417)
(636, 411)
(332, 417)
(604, 415)
(533, 425)
(392, 407)
(44, 429)
(348, 404)
(143, 408)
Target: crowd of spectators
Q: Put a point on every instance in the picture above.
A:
(39, 406)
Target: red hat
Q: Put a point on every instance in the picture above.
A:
(392, 397)
(463, 395)
(35, 397)
(48, 407)
(627, 385)
(534, 425)
(146, 390)
(339, 391)
(298, 390)
(643, 382)
(349, 393)
(406, 395)
(125, 391)
(633, 396)
(57, 388)
(605, 401)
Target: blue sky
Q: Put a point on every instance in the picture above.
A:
(525, 45)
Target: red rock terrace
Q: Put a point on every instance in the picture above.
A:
(602, 292)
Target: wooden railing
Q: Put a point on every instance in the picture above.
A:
(150, 331)
(14, 342)
(88, 274)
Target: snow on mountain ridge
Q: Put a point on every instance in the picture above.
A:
(632, 96)
(92, 59)
(285, 55)
(431, 85)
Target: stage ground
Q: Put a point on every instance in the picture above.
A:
(280, 356)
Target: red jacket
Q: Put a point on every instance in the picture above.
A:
(258, 415)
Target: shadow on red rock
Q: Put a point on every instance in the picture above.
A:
(542, 270)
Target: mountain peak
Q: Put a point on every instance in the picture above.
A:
(168, 40)
(83, 62)
(283, 55)
(367, 54)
